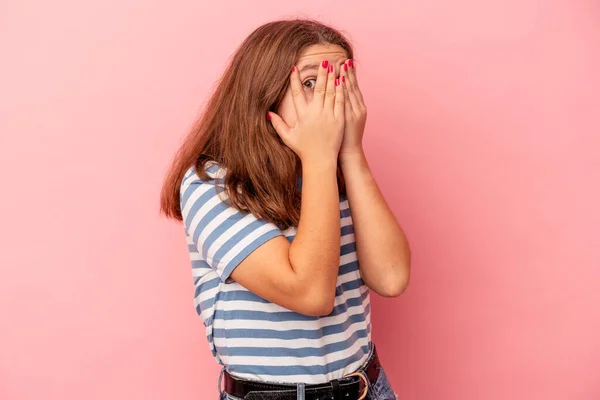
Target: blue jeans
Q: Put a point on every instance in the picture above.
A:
(381, 390)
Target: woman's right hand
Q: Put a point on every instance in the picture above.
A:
(319, 128)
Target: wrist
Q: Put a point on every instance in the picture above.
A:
(318, 163)
(351, 155)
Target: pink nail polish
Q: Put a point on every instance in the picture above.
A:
(343, 79)
(337, 82)
(268, 116)
(293, 69)
(351, 63)
(345, 67)
(325, 63)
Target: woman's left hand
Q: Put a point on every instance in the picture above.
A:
(355, 111)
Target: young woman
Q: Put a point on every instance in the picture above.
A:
(286, 228)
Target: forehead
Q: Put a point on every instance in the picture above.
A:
(318, 52)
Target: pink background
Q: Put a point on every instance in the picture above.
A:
(483, 134)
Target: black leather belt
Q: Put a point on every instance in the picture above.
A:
(346, 389)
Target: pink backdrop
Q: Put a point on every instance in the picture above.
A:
(483, 134)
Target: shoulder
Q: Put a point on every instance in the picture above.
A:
(212, 168)
(215, 172)
(193, 189)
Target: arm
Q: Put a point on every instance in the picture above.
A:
(301, 276)
(382, 248)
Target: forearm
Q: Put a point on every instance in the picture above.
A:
(315, 251)
(382, 248)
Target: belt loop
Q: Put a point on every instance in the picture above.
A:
(337, 392)
(300, 394)
(221, 391)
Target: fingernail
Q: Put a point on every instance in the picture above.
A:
(345, 67)
(268, 116)
(325, 63)
(343, 79)
(351, 63)
(293, 69)
(337, 82)
(331, 68)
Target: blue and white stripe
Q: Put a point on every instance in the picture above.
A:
(254, 338)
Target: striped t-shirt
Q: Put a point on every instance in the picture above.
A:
(254, 338)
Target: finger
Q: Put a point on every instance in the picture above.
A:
(344, 83)
(282, 129)
(353, 81)
(331, 88)
(321, 84)
(351, 89)
(339, 107)
(298, 94)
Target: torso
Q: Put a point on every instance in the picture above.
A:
(259, 340)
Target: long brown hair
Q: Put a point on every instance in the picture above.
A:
(234, 132)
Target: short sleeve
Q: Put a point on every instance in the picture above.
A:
(223, 235)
